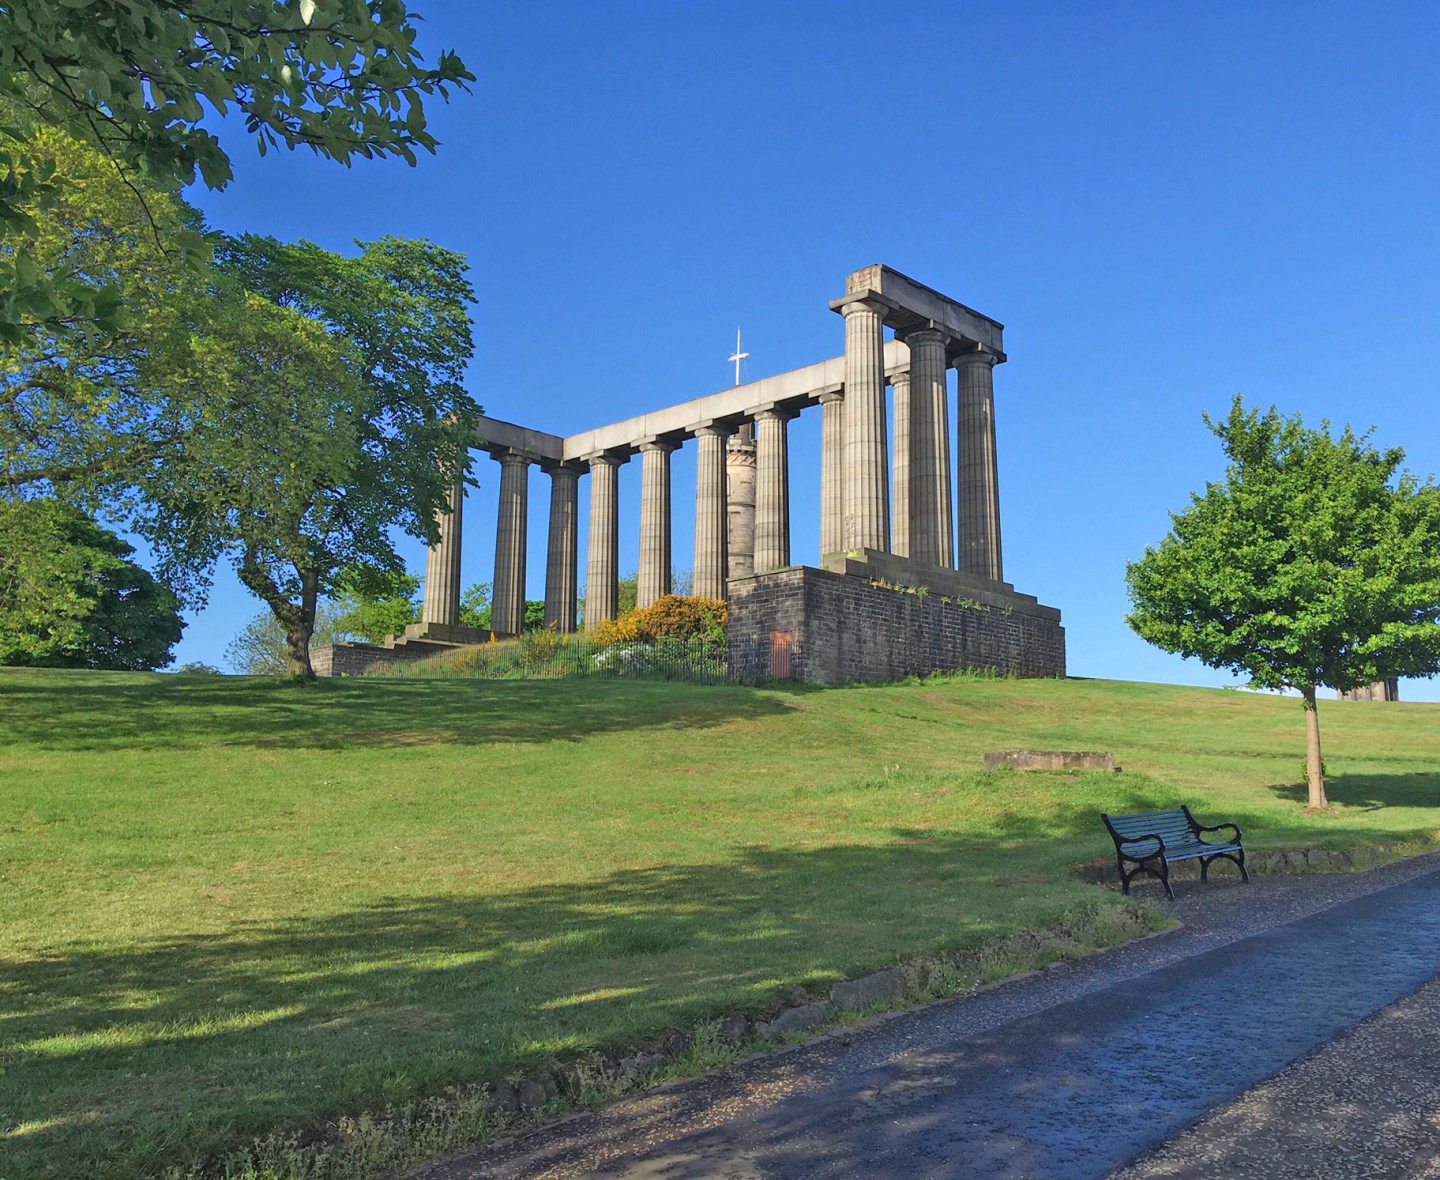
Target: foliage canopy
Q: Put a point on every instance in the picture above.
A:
(138, 81)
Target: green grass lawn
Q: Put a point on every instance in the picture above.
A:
(230, 905)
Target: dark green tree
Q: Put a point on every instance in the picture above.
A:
(140, 81)
(70, 597)
(1313, 561)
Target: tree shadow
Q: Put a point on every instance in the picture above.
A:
(1371, 792)
(119, 1061)
(149, 711)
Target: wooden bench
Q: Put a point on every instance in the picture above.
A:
(1150, 838)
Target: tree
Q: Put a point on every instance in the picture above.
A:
(261, 647)
(1310, 563)
(373, 604)
(475, 609)
(331, 412)
(70, 597)
(139, 80)
(475, 606)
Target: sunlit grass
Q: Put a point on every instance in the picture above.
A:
(232, 905)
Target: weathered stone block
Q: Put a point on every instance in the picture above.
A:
(1317, 858)
(868, 990)
(735, 1027)
(535, 1092)
(504, 1098)
(641, 1063)
(797, 1019)
(1050, 759)
(1295, 859)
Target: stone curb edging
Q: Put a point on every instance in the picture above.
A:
(1265, 862)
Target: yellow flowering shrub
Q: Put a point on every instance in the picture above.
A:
(673, 616)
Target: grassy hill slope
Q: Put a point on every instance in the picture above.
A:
(229, 905)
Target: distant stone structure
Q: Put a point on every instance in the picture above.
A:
(1381, 690)
(910, 574)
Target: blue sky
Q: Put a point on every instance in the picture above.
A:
(1165, 205)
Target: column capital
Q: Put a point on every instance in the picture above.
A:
(898, 376)
(712, 428)
(977, 356)
(657, 445)
(832, 395)
(857, 304)
(566, 470)
(924, 336)
(774, 412)
(510, 457)
(604, 459)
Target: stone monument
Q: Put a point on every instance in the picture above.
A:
(909, 578)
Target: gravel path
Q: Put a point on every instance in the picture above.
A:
(1069, 1073)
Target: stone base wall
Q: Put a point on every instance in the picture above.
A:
(848, 627)
(354, 659)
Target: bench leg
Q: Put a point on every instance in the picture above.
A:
(1165, 877)
(1237, 859)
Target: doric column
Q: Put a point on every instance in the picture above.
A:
(832, 449)
(740, 503)
(772, 491)
(710, 512)
(442, 566)
(977, 474)
(865, 483)
(902, 519)
(654, 576)
(602, 570)
(563, 551)
(930, 528)
(507, 607)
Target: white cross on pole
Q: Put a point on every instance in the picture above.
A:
(737, 356)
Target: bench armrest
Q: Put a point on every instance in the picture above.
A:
(1121, 843)
(1233, 827)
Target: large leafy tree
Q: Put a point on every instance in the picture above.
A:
(140, 80)
(71, 597)
(1314, 561)
(331, 415)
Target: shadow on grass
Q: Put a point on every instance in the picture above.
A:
(118, 1061)
(1371, 792)
(119, 710)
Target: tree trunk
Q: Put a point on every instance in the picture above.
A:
(1314, 767)
(299, 627)
(298, 619)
